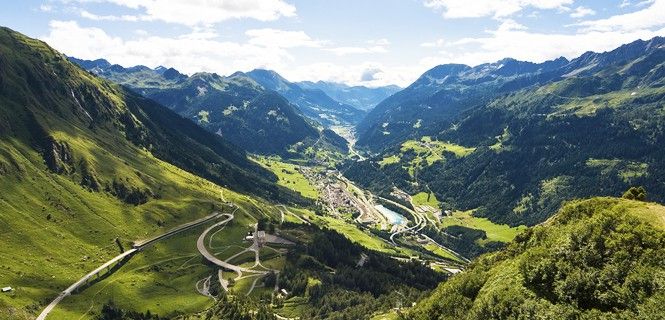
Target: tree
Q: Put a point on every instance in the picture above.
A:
(270, 280)
(636, 193)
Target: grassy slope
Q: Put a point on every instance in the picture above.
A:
(425, 198)
(167, 271)
(53, 229)
(603, 258)
(353, 233)
(289, 177)
(495, 232)
(427, 152)
(60, 230)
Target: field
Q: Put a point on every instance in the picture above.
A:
(389, 160)
(390, 315)
(442, 253)
(495, 232)
(427, 152)
(289, 176)
(432, 151)
(589, 105)
(425, 199)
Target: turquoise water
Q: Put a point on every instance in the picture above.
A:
(392, 216)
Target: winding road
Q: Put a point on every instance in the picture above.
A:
(138, 246)
(200, 244)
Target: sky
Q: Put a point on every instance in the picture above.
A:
(357, 42)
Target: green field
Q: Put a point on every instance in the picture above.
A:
(427, 151)
(442, 253)
(389, 160)
(289, 176)
(425, 199)
(167, 271)
(432, 151)
(495, 232)
(390, 315)
(589, 105)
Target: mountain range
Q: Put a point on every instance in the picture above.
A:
(87, 167)
(360, 97)
(314, 103)
(512, 140)
(507, 190)
(235, 107)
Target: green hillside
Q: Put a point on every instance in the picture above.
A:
(234, 107)
(87, 168)
(313, 102)
(602, 258)
(84, 162)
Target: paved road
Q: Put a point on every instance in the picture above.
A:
(200, 244)
(419, 221)
(291, 213)
(82, 281)
(144, 243)
(139, 245)
(446, 248)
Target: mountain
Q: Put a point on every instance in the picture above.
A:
(512, 146)
(360, 97)
(441, 94)
(234, 107)
(87, 167)
(314, 103)
(601, 258)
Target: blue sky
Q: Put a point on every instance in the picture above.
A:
(368, 42)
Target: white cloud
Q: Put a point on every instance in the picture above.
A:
(511, 39)
(201, 50)
(650, 17)
(531, 46)
(369, 74)
(581, 12)
(379, 42)
(373, 46)
(92, 16)
(434, 44)
(628, 3)
(141, 32)
(343, 51)
(484, 8)
(510, 25)
(189, 53)
(202, 12)
(281, 39)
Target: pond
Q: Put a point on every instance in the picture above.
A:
(392, 216)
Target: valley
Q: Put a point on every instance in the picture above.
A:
(216, 189)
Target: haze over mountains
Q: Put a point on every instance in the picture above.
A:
(464, 196)
(361, 97)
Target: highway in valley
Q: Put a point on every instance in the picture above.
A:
(138, 246)
(200, 245)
